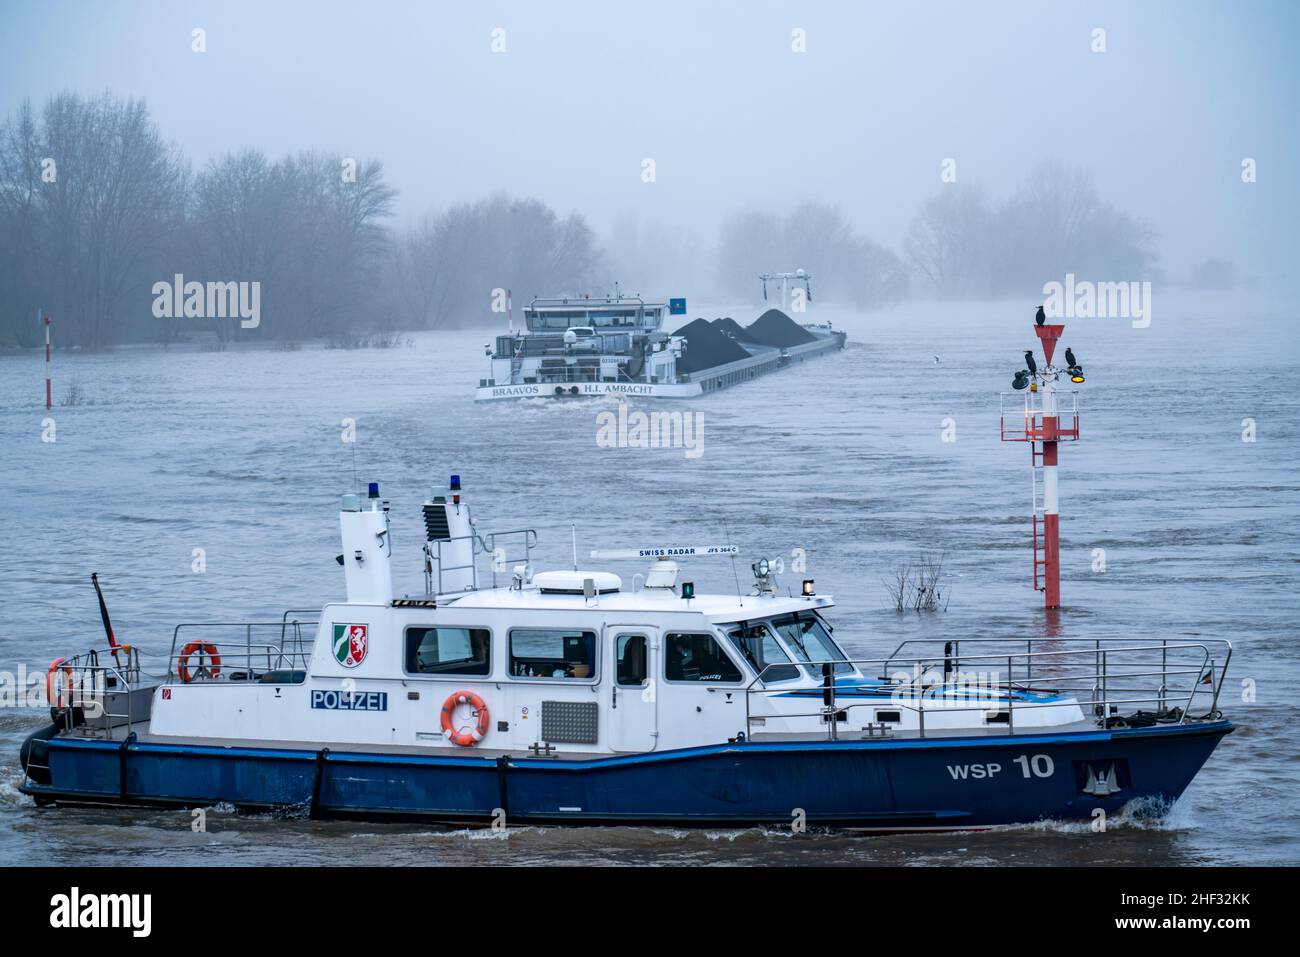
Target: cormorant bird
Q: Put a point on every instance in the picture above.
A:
(1030, 363)
(1069, 358)
(1040, 317)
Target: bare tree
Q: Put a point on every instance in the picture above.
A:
(898, 584)
(961, 244)
(113, 208)
(815, 236)
(919, 584)
(447, 265)
(949, 241)
(20, 218)
(313, 238)
(1056, 223)
(929, 593)
(749, 243)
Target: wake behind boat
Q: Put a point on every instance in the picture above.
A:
(572, 347)
(567, 697)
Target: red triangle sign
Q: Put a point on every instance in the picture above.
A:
(1049, 334)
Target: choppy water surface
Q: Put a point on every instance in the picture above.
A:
(239, 453)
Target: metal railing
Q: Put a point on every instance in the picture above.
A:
(91, 693)
(226, 650)
(1104, 676)
(479, 545)
(1021, 419)
(125, 665)
(619, 342)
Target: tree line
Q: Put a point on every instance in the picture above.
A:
(97, 209)
(961, 243)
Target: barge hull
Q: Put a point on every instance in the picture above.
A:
(695, 384)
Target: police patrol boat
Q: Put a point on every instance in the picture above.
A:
(568, 697)
(616, 345)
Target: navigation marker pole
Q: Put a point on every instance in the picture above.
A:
(1043, 428)
(1051, 501)
(48, 395)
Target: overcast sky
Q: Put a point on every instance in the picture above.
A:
(715, 95)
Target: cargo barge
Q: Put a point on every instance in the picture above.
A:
(574, 347)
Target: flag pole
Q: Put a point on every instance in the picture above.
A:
(103, 613)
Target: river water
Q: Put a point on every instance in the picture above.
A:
(239, 453)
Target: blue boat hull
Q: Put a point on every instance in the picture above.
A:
(885, 784)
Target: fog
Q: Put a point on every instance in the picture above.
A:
(864, 120)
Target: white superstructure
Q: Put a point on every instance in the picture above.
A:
(617, 668)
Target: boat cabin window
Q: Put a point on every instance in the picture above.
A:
(808, 640)
(554, 321)
(614, 318)
(448, 651)
(610, 319)
(699, 657)
(630, 652)
(763, 652)
(553, 653)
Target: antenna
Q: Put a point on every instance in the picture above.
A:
(574, 530)
(726, 527)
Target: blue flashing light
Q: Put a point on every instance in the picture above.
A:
(374, 490)
(454, 484)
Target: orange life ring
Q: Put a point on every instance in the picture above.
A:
(472, 736)
(57, 665)
(200, 648)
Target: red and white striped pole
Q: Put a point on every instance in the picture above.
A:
(48, 395)
(1051, 503)
(1043, 431)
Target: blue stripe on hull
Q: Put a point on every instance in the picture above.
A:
(881, 783)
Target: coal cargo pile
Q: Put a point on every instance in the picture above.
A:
(706, 347)
(732, 328)
(775, 328)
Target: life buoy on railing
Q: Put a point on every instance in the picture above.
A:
(65, 691)
(204, 650)
(467, 738)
